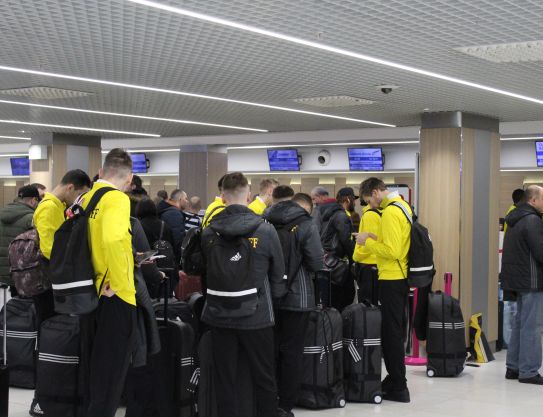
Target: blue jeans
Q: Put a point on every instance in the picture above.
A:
(524, 353)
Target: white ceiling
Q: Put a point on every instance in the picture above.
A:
(120, 41)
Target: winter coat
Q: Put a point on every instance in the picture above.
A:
(336, 231)
(301, 291)
(267, 265)
(175, 219)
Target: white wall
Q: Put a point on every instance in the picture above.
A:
(518, 154)
(397, 157)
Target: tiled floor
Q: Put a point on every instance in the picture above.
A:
(482, 392)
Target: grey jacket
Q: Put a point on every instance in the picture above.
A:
(301, 289)
(267, 265)
(15, 218)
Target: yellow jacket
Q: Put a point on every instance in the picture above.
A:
(48, 217)
(370, 222)
(110, 240)
(509, 210)
(258, 206)
(211, 212)
(394, 239)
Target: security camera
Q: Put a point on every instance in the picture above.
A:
(386, 88)
(323, 157)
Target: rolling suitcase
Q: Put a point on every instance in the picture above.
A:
(4, 370)
(446, 338)
(188, 285)
(177, 310)
(63, 366)
(321, 385)
(362, 353)
(22, 336)
(174, 364)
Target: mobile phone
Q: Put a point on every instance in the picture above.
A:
(145, 256)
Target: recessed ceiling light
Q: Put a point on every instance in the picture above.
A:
(135, 116)
(324, 47)
(184, 93)
(530, 51)
(90, 129)
(14, 137)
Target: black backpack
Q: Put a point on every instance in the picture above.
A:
(164, 248)
(70, 266)
(421, 253)
(192, 261)
(231, 286)
(290, 243)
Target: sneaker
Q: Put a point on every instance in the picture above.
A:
(511, 374)
(400, 396)
(35, 409)
(536, 380)
(283, 413)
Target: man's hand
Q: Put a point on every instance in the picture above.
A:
(362, 237)
(107, 291)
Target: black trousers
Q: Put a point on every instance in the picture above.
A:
(258, 347)
(368, 283)
(393, 296)
(289, 339)
(110, 357)
(45, 305)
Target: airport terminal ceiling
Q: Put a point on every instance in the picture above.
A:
(125, 42)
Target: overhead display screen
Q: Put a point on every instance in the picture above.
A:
(365, 159)
(20, 166)
(139, 163)
(283, 160)
(539, 153)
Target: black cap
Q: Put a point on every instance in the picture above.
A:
(346, 192)
(28, 191)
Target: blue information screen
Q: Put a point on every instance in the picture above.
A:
(283, 160)
(20, 166)
(365, 159)
(539, 153)
(139, 163)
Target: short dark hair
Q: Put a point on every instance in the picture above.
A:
(221, 180)
(518, 196)
(77, 177)
(95, 178)
(234, 181)
(303, 198)
(163, 194)
(282, 191)
(146, 208)
(117, 162)
(367, 186)
(136, 180)
(39, 186)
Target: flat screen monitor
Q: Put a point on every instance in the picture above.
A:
(139, 163)
(365, 159)
(20, 166)
(283, 160)
(539, 153)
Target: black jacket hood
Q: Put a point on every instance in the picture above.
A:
(234, 221)
(163, 206)
(285, 212)
(329, 209)
(521, 211)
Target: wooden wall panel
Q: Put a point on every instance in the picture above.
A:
(308, 183)
(95, 160)
(193, 173)
(439, 205)
(58, 166)
(509, 181)
(217, 166)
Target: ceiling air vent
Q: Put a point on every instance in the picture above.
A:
(334, 101)
(507, 52)
(44, 93)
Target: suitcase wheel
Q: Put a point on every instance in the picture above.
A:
(431, 372)
(377, 399)
(341, 402)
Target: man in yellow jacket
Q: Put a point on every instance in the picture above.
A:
(215, 207)
(390, 247)
(366, 276)
(111, 248)
(265, 197)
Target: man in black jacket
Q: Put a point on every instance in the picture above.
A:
(303, 254)
(171, 212)
(244, 278)
(336, 238)
(522, 273)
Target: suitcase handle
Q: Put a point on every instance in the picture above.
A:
(448, 283)
(5, 326)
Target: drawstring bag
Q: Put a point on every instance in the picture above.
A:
(479, 348)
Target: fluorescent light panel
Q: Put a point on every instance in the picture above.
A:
(524, 138)
(274, 173)
(144, 150)
(316, 145)
(327, 48)
(184, 93)
(14, 137)
(9, 155)
(90, 129)
(134, 116)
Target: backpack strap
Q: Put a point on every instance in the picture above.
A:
(375, 211)
(161, 229)
(95, 199)
(404, 210)
(205, 221)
